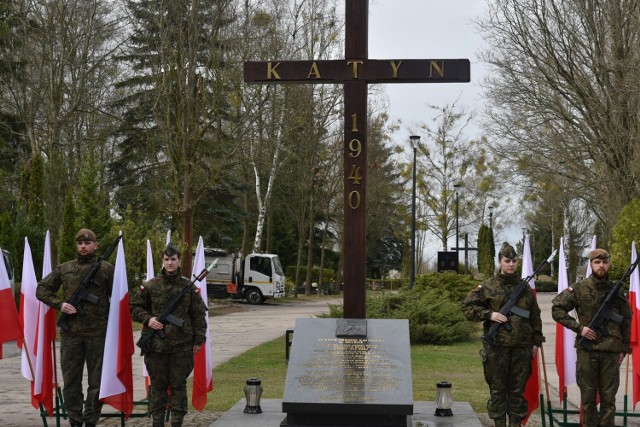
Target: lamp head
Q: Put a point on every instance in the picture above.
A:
(415, 140)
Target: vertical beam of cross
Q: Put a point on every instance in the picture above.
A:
(355, 161)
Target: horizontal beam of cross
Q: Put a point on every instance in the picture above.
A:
(369, 70)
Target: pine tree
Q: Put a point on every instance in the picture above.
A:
(175, 104)
(485, 257)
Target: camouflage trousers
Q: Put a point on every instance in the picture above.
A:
(598, 371)
(74, 353)
(168, 375)
(506, 371)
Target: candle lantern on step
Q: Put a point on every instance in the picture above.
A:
(444, 400)
(252, 393)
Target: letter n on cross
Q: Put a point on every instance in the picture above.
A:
(355, 72)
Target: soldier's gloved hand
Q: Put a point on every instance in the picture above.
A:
(588, 333)
(496, 316)
(620, 358)
(534, 350)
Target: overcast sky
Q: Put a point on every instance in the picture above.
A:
(424, 29)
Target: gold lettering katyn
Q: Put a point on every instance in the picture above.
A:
(314, 72)
(271, 71)
(395, 66)
(354, 66)
(438, 67)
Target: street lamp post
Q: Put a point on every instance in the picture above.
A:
(456, 186)
(415, 140)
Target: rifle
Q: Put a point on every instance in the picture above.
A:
(145, 339)
(510, 305)
(604, 313)
(82, 293)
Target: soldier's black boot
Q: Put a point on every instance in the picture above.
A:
(515, 422)
(500, 421)
(158, 422)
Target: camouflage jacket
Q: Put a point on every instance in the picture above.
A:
(69, 275)
(151, 300)
(490, 296)
(585, 297)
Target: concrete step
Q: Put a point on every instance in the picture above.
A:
(272, 416)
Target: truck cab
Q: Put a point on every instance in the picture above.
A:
(256, 277)
(6, 255)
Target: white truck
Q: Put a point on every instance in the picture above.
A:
(255, 278)
(9, 266)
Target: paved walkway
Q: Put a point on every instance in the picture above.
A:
(235, 333)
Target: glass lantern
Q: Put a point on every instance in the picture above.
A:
(252, 393)
(444, 400)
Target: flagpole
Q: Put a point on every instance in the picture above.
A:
(544, 372)
(59, 398)
(626, 389)
(33, 375)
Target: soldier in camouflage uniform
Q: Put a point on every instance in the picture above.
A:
(84, 341)
(507, 365)
(170, 360)
(597, 370)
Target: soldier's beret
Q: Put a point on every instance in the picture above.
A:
(507, 251)
(85, 235)
(598, 254)
(171, 250)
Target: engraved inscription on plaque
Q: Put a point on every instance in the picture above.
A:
(351, 369)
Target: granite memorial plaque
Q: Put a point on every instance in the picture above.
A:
(349, 380)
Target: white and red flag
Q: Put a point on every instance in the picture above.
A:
(565, 338)
(29, 308)
(9, 319)
(532, 389)
(634, 300)
(44, 371)
(202, 373)
(116, 385)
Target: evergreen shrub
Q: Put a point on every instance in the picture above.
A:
(546, 286)
(432, 308)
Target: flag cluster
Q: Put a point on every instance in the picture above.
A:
(33, 327)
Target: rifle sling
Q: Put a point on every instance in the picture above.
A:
(520, 312)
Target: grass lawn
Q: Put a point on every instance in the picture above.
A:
(459, 364)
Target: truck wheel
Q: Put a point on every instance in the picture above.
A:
(254, 296)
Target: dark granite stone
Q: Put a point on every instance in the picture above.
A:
(349, 381)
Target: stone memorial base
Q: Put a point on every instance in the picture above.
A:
(423, 416)
(349, 372)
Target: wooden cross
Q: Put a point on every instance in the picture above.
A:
(356, 71)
